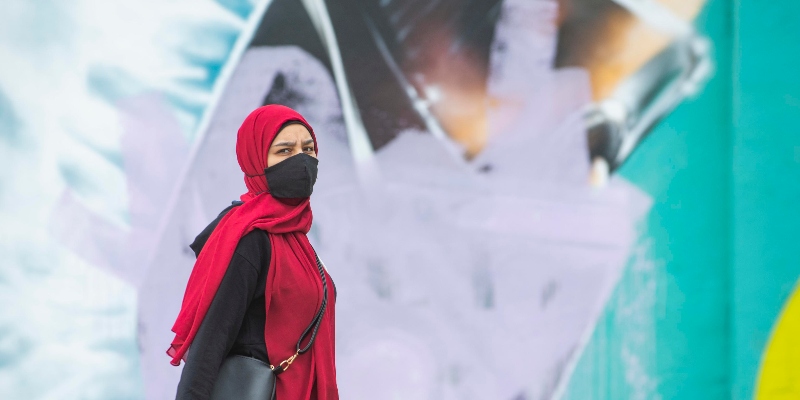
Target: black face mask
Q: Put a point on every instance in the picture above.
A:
(292, 178)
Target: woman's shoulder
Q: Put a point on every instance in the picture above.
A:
(255, 247)
(255, 237)
(201, 239)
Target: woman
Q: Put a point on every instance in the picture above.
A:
(256, 285)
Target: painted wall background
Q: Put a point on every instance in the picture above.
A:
(695, 315)
(766, 142)
(695, 321)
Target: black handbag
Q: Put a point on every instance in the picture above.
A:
(247, 378)
(244, 378)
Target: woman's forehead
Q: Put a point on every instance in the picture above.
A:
(294, 130)
(290, 134)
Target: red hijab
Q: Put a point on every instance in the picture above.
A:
(294, 288)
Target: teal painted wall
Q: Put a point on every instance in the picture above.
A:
(718, 254)
(766, 176)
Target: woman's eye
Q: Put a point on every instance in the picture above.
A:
(309, 149)
(283, 151)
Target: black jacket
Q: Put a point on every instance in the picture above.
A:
(234, 323)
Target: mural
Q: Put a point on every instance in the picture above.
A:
(779, 377)
(496, 153)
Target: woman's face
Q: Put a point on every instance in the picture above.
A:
(291, 140)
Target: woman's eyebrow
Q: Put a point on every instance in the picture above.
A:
(308, 141)
(284, 144)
